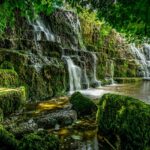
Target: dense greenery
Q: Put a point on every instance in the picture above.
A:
(129, 17)
(39, 141)
(23, 7)
(127, 118)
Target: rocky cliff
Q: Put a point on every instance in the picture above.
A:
(41, 51)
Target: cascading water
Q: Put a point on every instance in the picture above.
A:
(112, 72)
(39, 28)
(74, 74)
(95, 81)
(77, 61)
(141, 56)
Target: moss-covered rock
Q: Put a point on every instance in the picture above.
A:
(7, 140)
(12, 99)
(8, 78)
(6, 65)
(127, 118)
(82, 104)
(36, 141)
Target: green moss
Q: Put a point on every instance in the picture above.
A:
(36, 141)
(1, 115)
(12, 99)
(7, 65)
(128, 80)
(83, 105)
(8, 78)
(7, 140)
(127, 117)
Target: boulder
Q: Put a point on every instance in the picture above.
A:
(12, 100)
(126, 117)
(82, 104)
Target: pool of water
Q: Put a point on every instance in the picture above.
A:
(140, 90)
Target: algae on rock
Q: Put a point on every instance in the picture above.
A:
(82, 104)
(12, 100)
(125, 117)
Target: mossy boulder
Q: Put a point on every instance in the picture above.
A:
(12, 99)
(7, 140)
(82, 104)
(8, 78)
(37, 141)
(127, 118)
(7, 65)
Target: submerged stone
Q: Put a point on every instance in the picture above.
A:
(82, 104)
(127, 118)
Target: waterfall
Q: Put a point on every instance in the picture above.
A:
(81, 64)
(40, 27)
(74, 74)
(141, 58)
(112, 72)
(95, 81)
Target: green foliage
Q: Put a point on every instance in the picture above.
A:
(1, 115)
(36, 141)
(12, 99)
(129, 17)
(83, 105)
(7, 140)
(127, 117)
(11, 9)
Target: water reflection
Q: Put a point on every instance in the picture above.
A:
(140, 90)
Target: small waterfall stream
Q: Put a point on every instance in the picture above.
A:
(112, 72)
(74, 74)
(80, 75)
(142, 58)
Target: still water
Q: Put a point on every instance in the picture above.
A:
(76, 141)
(140, 90)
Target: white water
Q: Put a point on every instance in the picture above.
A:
(74, 74)
(75, 23)
(40, 27)
(78, 77)
(94, 72)
(141, 59)
(112, 72)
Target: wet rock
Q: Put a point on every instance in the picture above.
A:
(82, 105)
(62, 118)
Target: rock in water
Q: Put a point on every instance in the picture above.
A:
(83, 105)
(126, 117)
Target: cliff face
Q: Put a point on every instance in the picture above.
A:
(40, 50)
